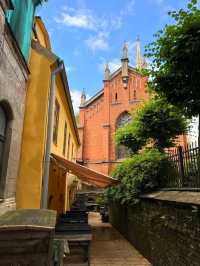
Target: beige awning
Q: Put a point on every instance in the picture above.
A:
(85, 174)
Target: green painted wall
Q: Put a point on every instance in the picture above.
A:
(21, 23)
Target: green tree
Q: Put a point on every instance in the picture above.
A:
(175, 72)
(157, 123)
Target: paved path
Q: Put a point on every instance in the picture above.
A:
(109, 248)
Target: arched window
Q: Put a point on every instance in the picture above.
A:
(3, 125)
(6, 118)
(123, 119)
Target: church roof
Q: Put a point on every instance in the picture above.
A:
(93, 98)
(101, 92)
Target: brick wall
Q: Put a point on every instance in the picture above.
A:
(98, 120)
(166, 233)
(13, 77)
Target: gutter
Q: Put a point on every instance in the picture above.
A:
(45, 179)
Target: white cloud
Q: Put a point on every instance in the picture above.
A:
(98, 42)
(76, 99)
(102, 24)
(82, 18)
(70, 69)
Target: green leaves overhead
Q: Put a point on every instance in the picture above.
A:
(175, 53)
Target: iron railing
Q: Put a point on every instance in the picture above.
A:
(184, 170)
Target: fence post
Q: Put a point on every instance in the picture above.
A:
(182, 175)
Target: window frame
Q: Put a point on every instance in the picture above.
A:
(3, 140)
(68, 146)
(65, 139)
(120, 149)
(56, 121)
(4, 104)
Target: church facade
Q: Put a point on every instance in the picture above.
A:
(100, 116)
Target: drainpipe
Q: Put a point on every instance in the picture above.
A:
(45, 183)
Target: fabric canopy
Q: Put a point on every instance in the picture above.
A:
(85, 174)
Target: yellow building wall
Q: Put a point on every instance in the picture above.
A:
(64, 116)
(42, 34)
(29, 182)
(56, 196)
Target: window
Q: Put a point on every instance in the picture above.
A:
(122, 151)
(72, 151)
(134, 94)
(68, 146)
(65, 139)
(56, 122)
(116, 97)
(3, 125)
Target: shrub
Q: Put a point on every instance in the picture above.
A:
(139, 174)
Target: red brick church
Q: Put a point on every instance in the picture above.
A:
(100, 116)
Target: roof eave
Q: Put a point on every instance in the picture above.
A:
(92, 99)
(67, 91)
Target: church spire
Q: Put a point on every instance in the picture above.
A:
(139, 62)
(125, 62)
(106, 73)
(125, 52)
(83, 97)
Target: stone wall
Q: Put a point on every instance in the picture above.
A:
(167, 233)
(13, 77)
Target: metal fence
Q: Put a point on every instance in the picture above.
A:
(184, 170)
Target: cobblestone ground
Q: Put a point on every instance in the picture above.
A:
(109, 248)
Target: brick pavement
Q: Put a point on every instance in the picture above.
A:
(109, 248)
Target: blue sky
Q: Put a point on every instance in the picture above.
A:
(89, 33)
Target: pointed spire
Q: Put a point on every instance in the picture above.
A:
(144, 64)
(107, 73)
(139, 62)
(125, 51)
(125, 62)
(83, 97)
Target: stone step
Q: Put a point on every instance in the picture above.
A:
(76, 264)
(74, 258)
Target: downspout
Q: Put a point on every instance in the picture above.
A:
(45, 183)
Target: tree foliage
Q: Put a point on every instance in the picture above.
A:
(157, 123)
(175, 52)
